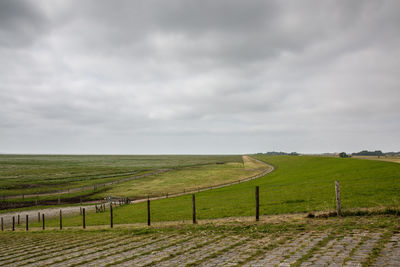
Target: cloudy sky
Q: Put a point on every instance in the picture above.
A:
(199, 77)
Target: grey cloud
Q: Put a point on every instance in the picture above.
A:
(21, 23)
(198, 77)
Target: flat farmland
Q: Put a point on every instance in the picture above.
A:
(32, 174)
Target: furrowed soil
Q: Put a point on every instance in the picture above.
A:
(289, 240)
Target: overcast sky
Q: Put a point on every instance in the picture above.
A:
(199, 77)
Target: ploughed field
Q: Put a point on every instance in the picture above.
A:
(289, 241)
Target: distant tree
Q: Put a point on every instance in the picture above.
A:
(369, 153)
(343, 155)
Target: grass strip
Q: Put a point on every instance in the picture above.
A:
(148, 252)
(119, 241)
(219, 252)
(116, 252)
(376, 251)
(261, 251)
(314, 249)
(93, 244)
(76, 244)
(184, 251)
(37, 249)
(27, 244)
(353, 251)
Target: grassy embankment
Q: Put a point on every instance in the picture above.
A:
(186, 179)
(298, 184)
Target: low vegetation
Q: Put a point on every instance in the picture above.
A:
(298, 184)
(185, 179)
(30, 174)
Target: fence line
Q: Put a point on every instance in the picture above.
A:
(185, 192)
(88, 187)
(201, 189)
(194, 218)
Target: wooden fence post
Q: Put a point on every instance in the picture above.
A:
(60, 220)
(13, 223)
(80, 210)
(84, 222)
(111, 216)
(59, 200)
(2, 224)
(27, 222)
(338, 207)
(148, 212)
(194, 208)
(43, 221)
(38, 216)
(257, 203)
(18, 221)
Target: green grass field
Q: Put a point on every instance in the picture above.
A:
(298, 184)
(29, 174)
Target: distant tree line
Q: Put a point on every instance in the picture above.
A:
(369, 153)
(375, 153)
(280, 153)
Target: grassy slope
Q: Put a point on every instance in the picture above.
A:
(189, 178)
(299, 184)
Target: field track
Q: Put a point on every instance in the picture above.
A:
(215, 245)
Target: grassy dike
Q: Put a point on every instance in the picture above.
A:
(298, 184)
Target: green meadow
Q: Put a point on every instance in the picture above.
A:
(298, 184)
(32, 174)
